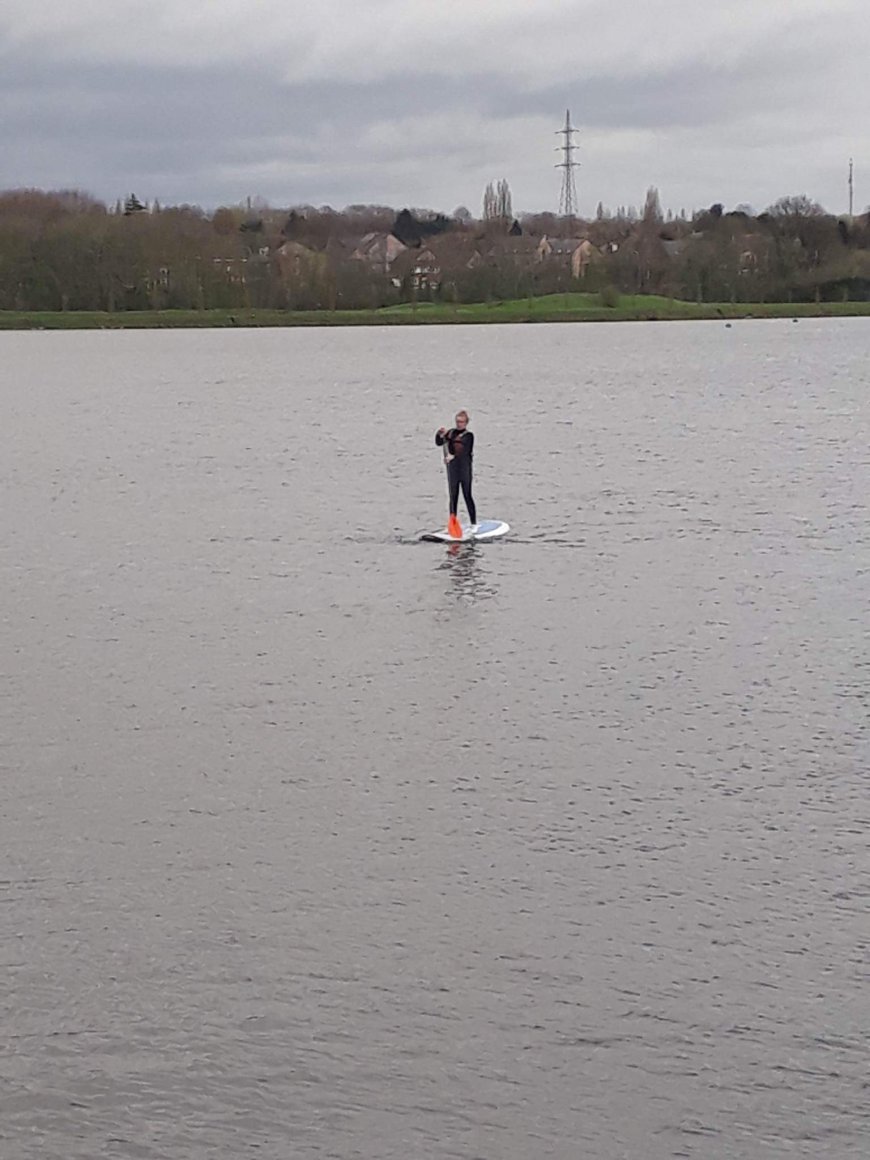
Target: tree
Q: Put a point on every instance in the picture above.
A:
(652, 209)
(133, 206)
(407, 229)
(225, 222)
(497, 204)
(411, 228)
(806, 238)
(538, 224)
(504, 209)
(800, 206)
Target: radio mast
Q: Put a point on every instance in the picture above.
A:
(568, 196)
(851, 186)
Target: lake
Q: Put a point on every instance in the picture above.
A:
(319, 841)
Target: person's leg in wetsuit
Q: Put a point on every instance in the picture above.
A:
(459, 475)
(453, 478)
(465, 480)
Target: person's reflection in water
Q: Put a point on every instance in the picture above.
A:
(464, 566)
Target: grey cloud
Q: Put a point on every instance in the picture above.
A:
(217, 133)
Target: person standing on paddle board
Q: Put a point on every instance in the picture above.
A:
(458, 444)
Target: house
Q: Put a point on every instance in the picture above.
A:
(754, 252)
(443, 259)
(521, 252)
(293, 255)
(420, 270)
(674, 247)
(378, 251)
(577, 253)
(300, 265)
(234, 270)
(340, 249)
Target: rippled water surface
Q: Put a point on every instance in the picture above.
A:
(318, 841)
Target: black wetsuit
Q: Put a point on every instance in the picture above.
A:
(460, 445)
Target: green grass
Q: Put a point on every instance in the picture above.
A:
(549, 308)
(171, 319)
(587, 307)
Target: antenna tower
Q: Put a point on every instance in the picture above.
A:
(568, 196)
(851, 186)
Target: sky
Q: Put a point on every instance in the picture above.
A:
(421, 103)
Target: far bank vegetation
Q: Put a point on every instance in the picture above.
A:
(67, 251)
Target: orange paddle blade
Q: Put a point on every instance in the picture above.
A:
(454, 528)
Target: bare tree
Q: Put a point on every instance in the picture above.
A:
(504, 209)
(652, 207)
(799, 206)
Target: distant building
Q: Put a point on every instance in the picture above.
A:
(443, 259)
(378, 251)
(576, 253)
(520, 252)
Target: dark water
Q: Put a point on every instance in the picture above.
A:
(316, 841)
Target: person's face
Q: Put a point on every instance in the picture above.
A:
(461, 421)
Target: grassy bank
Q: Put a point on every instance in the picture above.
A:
(551, 308)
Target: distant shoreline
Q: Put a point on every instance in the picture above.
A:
(552, 308)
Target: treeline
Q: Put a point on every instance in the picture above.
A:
(65, 250)
(793, 251)
(68, 251)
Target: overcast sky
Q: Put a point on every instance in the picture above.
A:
(422, 102)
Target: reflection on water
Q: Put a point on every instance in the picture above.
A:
(465, 567)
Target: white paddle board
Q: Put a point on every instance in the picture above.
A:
(485, 530)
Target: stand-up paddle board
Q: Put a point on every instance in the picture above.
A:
(485, 530)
